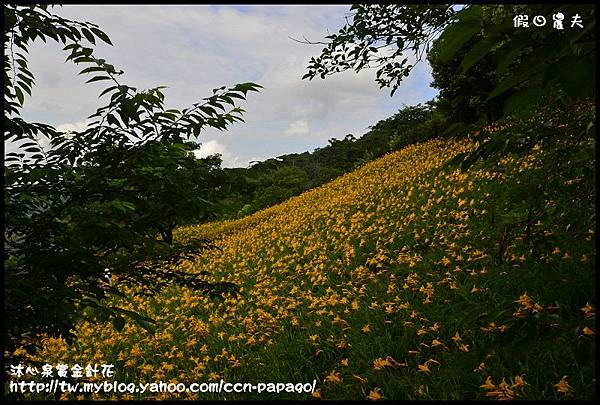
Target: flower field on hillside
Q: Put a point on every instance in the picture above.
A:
(398, 280)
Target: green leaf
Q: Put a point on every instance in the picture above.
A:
(88, 35)
(577, 76)
(98, 78)
(457, 34)
(128, 205)
(208, 110)
(107, 90)
(24, 86)
(522, 101)
(514, 80)
(92, 69)
(508, 56)
(248, 86)
(111, 119)
(70, 46)
(454, 42)
(101, 35)
(20, 95)
(478, 52)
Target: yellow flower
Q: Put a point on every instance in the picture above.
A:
(20, 351)
(503, 391)
(525, 300)
(424, 368)
(562, 386)
(489, 384)
(334, 377)
(588, 311)
(366, 328)
(316, 393)
(344, 362)
(435, 342)
(147, 368)
(588, 332)
(518, 382)
(380, 363)
(135, 351)
(375, 394)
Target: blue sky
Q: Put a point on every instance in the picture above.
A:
(195, 48)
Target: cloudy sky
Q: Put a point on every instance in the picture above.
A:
(195, 48)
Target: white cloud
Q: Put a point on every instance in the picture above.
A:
(210, 148)
(298, 127)
(76, 126)
(229, 160)
(195, 48)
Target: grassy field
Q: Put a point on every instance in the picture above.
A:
(405, 279)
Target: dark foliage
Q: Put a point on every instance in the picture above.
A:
(96, 209)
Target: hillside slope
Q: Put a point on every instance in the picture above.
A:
(396, 280)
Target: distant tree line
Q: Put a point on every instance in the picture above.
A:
(246, 190)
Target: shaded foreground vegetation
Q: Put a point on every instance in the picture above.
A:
(404, 279)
